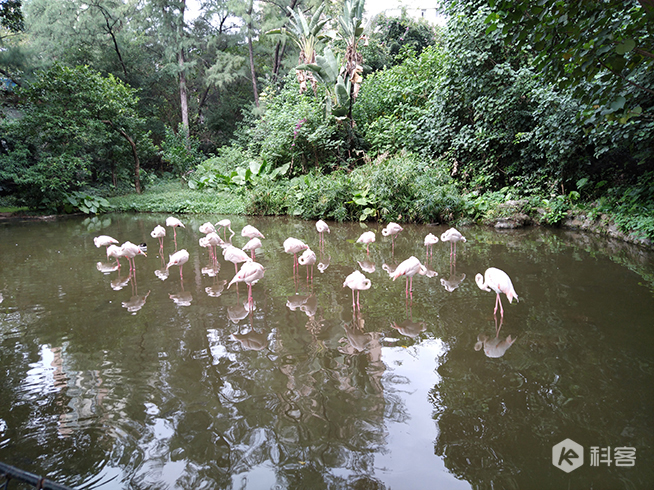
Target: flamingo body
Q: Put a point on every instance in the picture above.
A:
(130, 251)
(392, 229)
(207, 228)
(250, 231)
(250, 273)
(357, 282)
(498, 281)
(409, 268)
(104, 241)
(366, 239)
(158, 232)
(252, 245)
(174, 222)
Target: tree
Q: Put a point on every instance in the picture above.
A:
(11, 16)
(74, 120)
(600, 49)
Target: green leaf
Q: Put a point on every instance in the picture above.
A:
(626, 46)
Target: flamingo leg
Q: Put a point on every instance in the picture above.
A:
(358, 303)
(353, 303)
(181, 273)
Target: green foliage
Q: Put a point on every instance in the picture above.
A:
(293, 130)
(391, 102)
(175, 197)
(180, 150)
(86, 203)
(394, 39)
(72, 134)
(403, 188)
(615, 62)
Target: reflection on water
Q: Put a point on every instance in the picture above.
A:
(137, 379)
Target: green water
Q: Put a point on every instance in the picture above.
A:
(118, 380)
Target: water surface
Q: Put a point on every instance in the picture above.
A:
(117, 380)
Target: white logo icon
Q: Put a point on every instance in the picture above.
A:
(567, 455)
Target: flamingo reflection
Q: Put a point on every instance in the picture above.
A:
(238, 312)
(454, 281)
(367, 266)
(494, 347)
(252, 340)
(106, 268)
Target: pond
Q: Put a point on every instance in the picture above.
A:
(115, 380)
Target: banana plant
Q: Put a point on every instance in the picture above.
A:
(327, 70)
(305, 34)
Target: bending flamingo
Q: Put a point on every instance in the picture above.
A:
(308, 258)
(453, 236)
(174, 223)
(250, 273)
(500, 282)
(225, 224)
(430, 240)
(252, 245)
(178, 258)
(250, 231)
(294, 246)
(367, 238)
(322, 227)
(159, 232)
(409, 268)
(235, 255)
(104, 241)
(392, 229)
(357, 282)
(130, 251)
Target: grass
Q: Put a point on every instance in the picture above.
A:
(176, 197)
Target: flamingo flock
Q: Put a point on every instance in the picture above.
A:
(251, 271)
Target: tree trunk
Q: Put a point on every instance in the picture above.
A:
(183, 93)
(251, 52)
(137, 163)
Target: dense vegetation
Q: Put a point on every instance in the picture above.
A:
(510, 111)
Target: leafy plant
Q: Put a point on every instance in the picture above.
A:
(86, 203)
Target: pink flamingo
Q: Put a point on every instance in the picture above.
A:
(116, 252)
(392, 229)
(250, 231)
(174, 223)
(252, 245)
(308, 258)
(178, 258)
(250, 273)
(235, 255)
(225, 224)
(409, 268)
(294, 246)
(207, 228)
(159, 232)
(104, 241)
(453, 236)
(357, 282)
(430, 240)
(322, 227)
(130, 251)
(367, 238)
(500, 282)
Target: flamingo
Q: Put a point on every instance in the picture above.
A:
(367, 238)
(207, 228)
(357, 282)
(174, 223)
(500, 282)
(392, 229)
(225, 224)
(409, 268)
(308, 258)
(430, 240)
(159, 232)
(130, 251)
(250, 273)
(250, 231)
(294, 246)
(235, 255)
(453, 236)
(252, 245)
(204, 243)
(322, 227)
(178, 258)
(116, 252)
(104, 241)
(214, 240)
